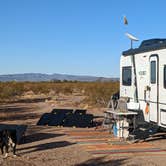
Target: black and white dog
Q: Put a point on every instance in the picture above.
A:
(8, 140)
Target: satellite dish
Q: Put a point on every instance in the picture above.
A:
(132, 38)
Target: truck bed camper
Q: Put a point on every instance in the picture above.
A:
(143, 80)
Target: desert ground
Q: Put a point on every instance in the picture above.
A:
(64, 146)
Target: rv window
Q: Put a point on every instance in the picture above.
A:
(126, 76)
(153, 72)
(164, 76)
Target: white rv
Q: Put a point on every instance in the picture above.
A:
(143, 80)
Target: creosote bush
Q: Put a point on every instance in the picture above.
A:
(97, 93)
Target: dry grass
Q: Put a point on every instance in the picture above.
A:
(97, 93)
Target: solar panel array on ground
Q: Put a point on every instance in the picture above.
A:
(67, 118)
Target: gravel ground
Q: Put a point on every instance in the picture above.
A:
(49, 146)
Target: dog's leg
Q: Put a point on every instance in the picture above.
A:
(6, 155)
(2, 149)
(14, 149)
(6, 151)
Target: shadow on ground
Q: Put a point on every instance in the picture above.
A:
(150, 133)
(152, 138)
(101, 161)
(45, 146)
(12, 113)
(40, 136)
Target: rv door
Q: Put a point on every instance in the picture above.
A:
(153, 93)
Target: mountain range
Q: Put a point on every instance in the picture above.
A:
(37, 77)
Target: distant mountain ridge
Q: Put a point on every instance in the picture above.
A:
(37, 77)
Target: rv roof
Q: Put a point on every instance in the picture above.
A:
(146, 46)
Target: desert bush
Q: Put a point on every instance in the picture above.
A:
(10, 90)
(97, 93)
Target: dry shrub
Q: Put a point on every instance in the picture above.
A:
(97, 93)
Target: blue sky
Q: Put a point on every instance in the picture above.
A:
(83, 37)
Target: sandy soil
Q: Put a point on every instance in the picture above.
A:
(45, 145)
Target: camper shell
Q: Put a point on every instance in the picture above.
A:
(143, 80)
